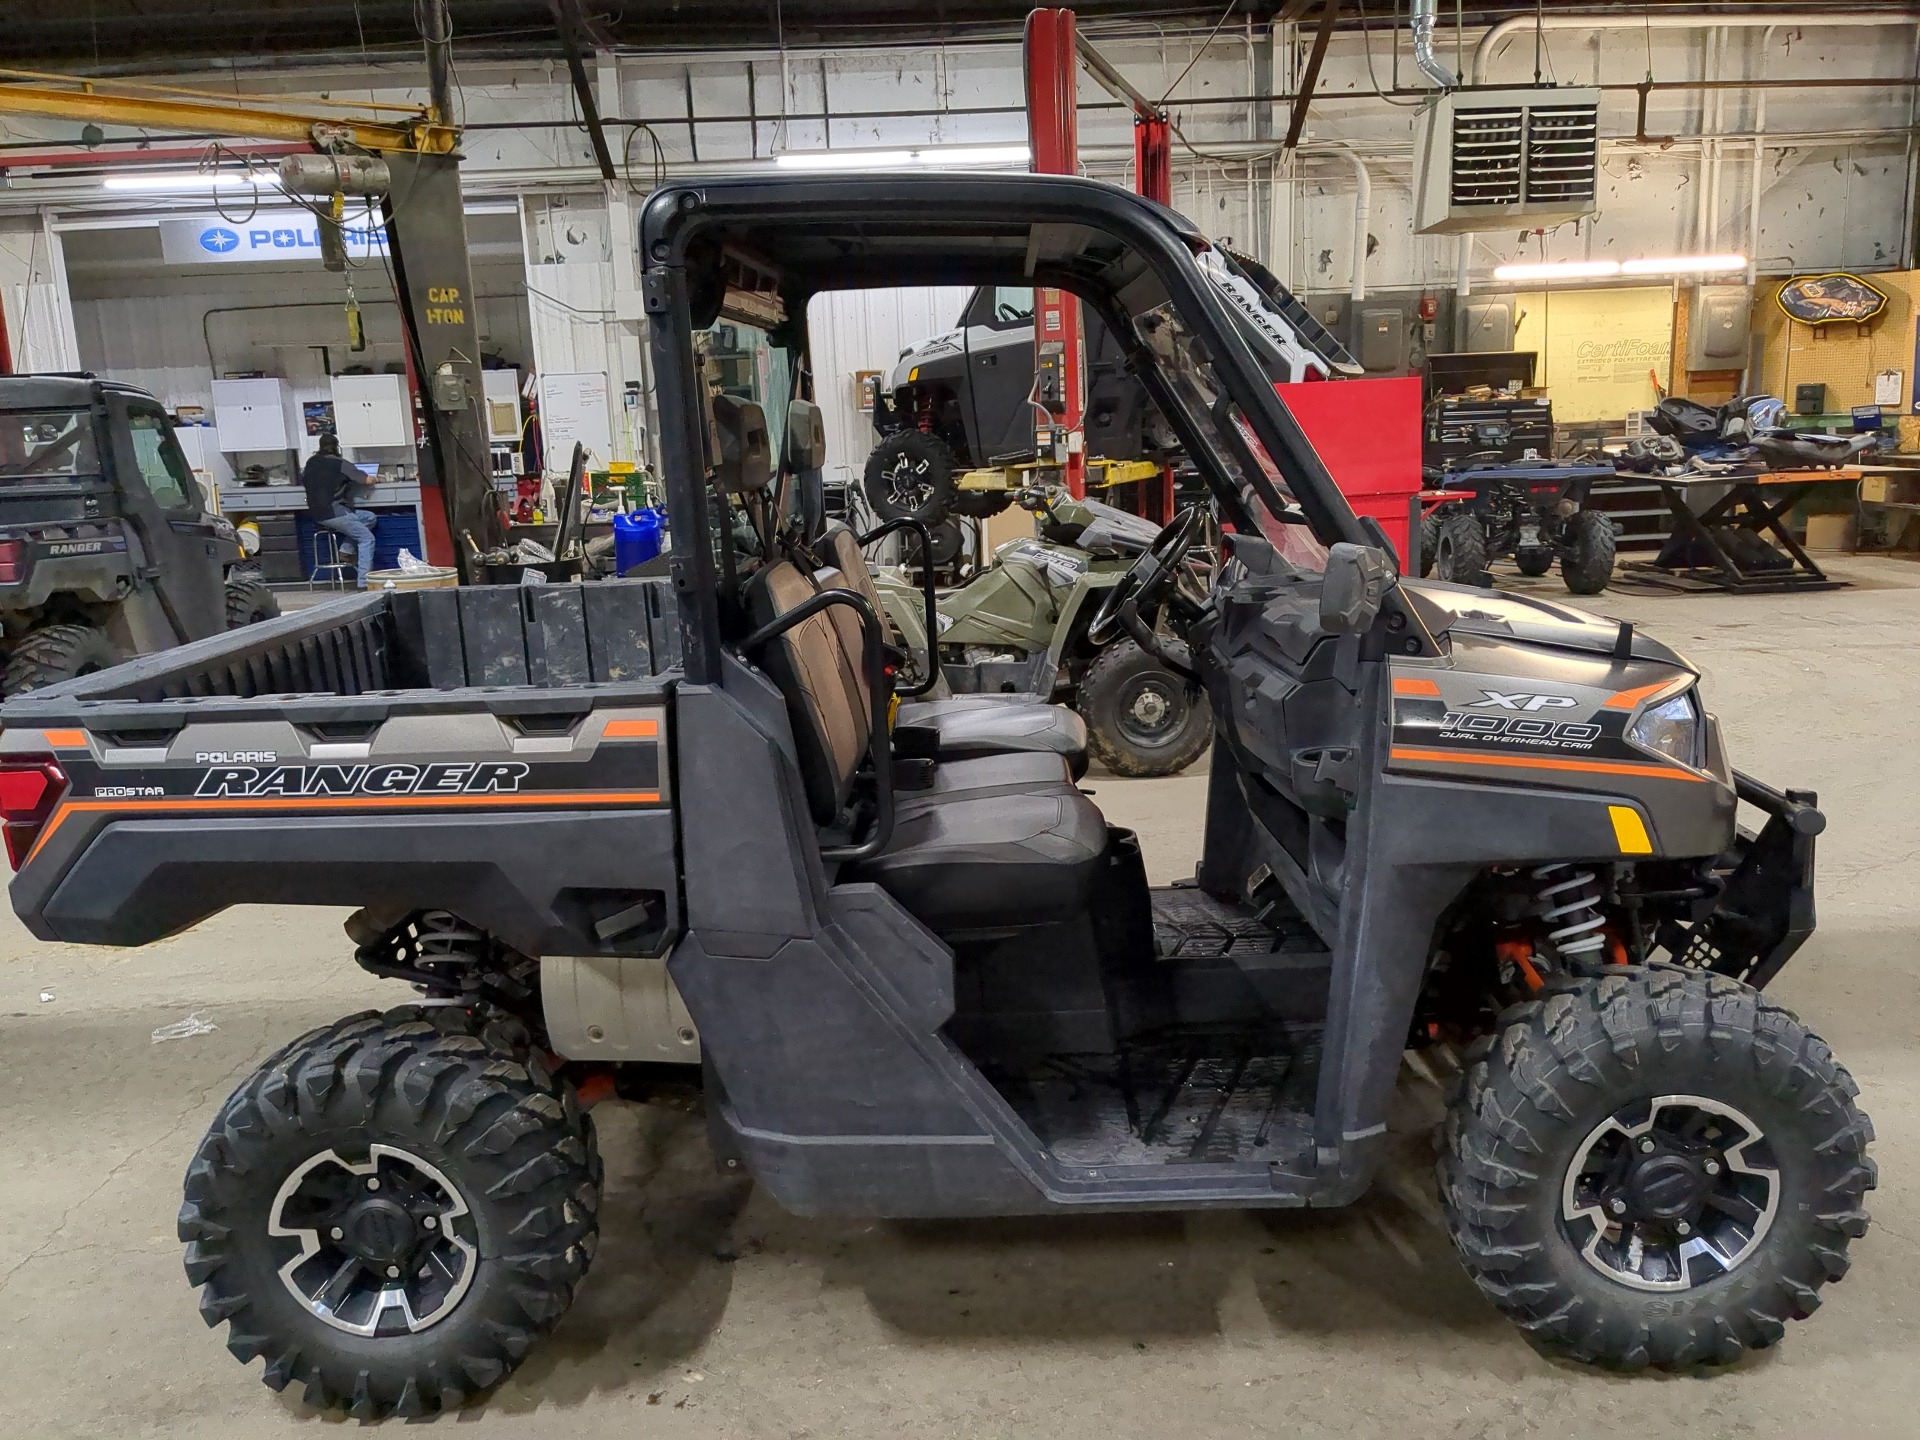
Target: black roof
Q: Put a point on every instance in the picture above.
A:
(66, 389)
(870, 230)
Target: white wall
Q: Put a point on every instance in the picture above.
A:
(866, 330)
(33, 296)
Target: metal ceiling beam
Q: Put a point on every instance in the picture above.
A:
(566, 16)
(1310, 78)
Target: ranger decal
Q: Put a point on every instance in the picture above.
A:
(456, 778)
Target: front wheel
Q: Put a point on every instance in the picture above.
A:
(1660, 1168)
(1142, 718)
(249, 601)
(909, 476)
(391, 1211)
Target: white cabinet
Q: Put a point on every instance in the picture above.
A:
(371, 411)
(251, 414)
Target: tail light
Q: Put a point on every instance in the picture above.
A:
(29, 789)
(13, 561)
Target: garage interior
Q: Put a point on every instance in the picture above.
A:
(1685, 354)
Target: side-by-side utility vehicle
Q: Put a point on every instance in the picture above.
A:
(108, 548)
(606, 830)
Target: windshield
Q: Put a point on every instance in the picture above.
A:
(36, 444)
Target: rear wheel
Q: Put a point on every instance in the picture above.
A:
(392, 1210)
(1660, 1168)
(54, 653)
(1142, 718)
(1587, 565)
(909, 476)
(1460, 552)
(249, 601)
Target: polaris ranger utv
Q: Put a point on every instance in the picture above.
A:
(611, 828)
(107, 548)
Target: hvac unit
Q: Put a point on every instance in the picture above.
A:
(1493, 158)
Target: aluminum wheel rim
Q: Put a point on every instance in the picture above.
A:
(904, 484)
(334, 1277)
(1697, 1142)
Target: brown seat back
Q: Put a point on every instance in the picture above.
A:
(829, 703)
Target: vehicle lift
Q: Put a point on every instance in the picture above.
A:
(409, 162)
(1054, 49)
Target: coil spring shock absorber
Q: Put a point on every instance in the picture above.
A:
(923, 415)
(1570, 905)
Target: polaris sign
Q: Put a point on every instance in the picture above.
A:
(274, 236)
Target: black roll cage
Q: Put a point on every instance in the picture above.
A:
(686, 211)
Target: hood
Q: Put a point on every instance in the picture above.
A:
(1498, 615)
(937, 347)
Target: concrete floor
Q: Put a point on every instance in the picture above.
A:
(711, 1313)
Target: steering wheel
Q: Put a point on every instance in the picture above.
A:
(1147, 585)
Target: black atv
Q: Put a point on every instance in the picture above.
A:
(1535, 512)
(107, 548)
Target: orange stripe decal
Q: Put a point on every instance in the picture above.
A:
(66, 739)
(555, 800)
(631, 729)
(1540, 762)
(1627, 699)
(1415, 685)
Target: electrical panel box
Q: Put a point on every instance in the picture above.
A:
(372, 412)
(1486, 325)
(1491, 159)
(1717, 327)
(1382, 339)
(252, 414)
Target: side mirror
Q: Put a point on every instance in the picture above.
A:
(1357, 577)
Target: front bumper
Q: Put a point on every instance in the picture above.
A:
(1763, 909)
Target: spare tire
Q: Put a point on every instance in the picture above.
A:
(910, 477)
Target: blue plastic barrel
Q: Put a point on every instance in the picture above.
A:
(636, 539)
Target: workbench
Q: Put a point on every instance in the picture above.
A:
(1749, 505)
(395, 504)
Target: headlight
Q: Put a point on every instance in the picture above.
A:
(1671, 728)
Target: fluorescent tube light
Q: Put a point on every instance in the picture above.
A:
(1559, 270)
(185, 182)
(1685, 265)
(931, 157)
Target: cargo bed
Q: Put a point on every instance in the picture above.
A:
(499, 752)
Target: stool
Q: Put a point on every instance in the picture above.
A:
(326, 557)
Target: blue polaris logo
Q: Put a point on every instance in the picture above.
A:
(219, 240)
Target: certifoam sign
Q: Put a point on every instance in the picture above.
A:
(278, 236)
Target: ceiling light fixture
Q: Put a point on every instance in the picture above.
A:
(186, 182)
(1609, 269)
(931, 157)
(1685, 265)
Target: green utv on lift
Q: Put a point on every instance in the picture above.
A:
(616, 831)
(107, 546)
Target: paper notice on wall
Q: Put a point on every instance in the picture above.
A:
(1886, 388)
(573, 407)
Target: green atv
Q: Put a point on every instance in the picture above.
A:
(1031, 625)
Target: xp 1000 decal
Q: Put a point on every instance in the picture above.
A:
(1466, 718)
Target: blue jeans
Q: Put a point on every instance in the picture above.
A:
(356, 526)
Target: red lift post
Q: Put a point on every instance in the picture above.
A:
(1059, 351)
(1052, 48)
